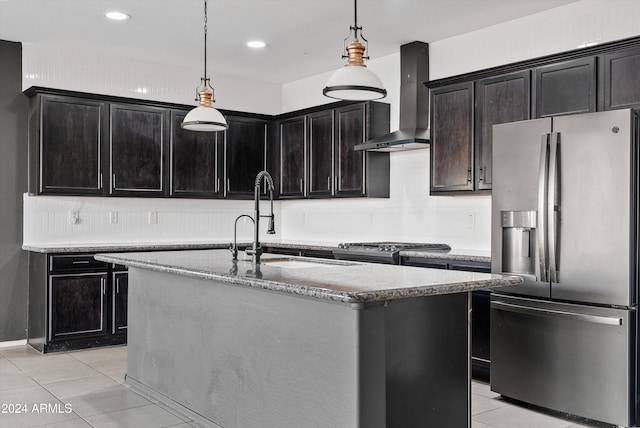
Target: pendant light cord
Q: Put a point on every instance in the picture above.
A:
(205, 43)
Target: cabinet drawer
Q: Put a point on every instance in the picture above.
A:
(75, 262)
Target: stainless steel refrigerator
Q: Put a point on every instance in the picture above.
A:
(565, 218)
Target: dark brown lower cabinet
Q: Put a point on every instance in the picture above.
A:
(480, 311)
(119, 302)
(75, 302)
(77, 305)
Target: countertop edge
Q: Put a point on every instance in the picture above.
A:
(360, 297)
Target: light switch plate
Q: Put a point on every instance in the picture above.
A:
(153, 217)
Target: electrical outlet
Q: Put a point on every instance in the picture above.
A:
(113, 217)
(153, 217)
(74, 217)
(471, 220)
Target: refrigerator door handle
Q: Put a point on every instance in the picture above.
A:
(541, 231)
(595, 319)
(553, 207)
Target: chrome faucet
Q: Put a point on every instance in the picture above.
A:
(256, 250)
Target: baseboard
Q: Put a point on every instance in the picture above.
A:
(12, 343)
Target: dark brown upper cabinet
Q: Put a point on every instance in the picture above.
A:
(499, 99)
(69, 142)
(245, 152)
(452, 138)
(349, 164)
(292, 149)
(321, 135)
(196, 160)
(622, 79)
(566, 88)
(137, 150)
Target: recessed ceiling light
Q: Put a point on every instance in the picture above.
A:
(256, 44)
(117, 16)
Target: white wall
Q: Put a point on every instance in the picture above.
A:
(87, 71)
(410, 213)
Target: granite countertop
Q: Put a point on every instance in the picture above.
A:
(454, 254)
(340, 281)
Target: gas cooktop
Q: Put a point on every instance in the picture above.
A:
(382, 252)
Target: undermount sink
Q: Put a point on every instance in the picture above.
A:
(300, 264)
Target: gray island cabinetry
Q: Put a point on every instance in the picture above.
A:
(300, 342)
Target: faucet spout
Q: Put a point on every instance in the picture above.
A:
(256, 249)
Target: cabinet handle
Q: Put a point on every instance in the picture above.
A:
(80, 262)
(103, 286)
(481, 175)
(217, 189)
(228, 186)
(328, 182)
(113, 181)
(468, 175)
(100, 181)
(117, 287)
(301, 186)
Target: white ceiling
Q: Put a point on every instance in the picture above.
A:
(304, 37)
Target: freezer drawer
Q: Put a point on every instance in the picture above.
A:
(566, 357)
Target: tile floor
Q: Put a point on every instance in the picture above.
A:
(86, 389)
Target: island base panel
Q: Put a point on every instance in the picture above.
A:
(231, 356)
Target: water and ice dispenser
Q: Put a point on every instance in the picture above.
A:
(518, 241)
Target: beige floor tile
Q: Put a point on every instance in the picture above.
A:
(513, 416)
(78, 370)
(26, 395)
(118, 398)
(112, 366)
(481, 404)
(43, 362)
(15, 380)
(100, 354)
(74, 388)
(150, 416)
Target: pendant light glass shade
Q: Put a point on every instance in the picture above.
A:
(204, 117)
(354, 81)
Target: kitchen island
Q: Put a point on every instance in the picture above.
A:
(298, 341)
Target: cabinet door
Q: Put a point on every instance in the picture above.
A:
(349, 168)
(137, 150)
(566, 88)
(77, 305)
(452, 138)
(320, 143)
(71, 141)
(498, 100)
(195, 160)
(622, 79)
(292, 156)
(245, 152)
(119, 303)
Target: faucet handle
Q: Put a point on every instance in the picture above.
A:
(272, 229)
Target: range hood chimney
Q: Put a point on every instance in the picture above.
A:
(414, 103)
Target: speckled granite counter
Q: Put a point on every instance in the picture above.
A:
(454, 254)
(122, 246)
(347, 282)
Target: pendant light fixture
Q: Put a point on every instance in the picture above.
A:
(354, 81)
(205, 117)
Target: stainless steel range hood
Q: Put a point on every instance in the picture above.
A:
(414, 104)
